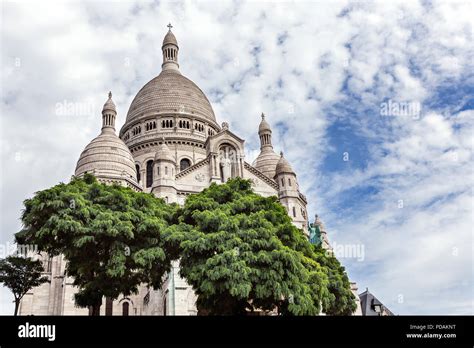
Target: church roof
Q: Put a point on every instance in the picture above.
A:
(266, 162)
(107, 156)
(264, 126)
(170, 38)
(283, 166)
(164, 153)
(109, 104)
(170, 92)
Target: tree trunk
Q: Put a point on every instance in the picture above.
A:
(95, 310)
(17, 305)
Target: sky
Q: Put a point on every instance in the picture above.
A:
(371, 102)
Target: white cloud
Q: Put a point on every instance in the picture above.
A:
(296, 62)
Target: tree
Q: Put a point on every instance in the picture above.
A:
(334, 288)
(239, 250)
(340, 300)
(112, 237)
(241, 253)
(20, 274)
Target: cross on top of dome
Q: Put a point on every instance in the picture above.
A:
(170, 51)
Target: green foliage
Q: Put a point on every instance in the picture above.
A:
(239, 250)
(340, 299)
(20, 274)
(112, 237)
(242, 253)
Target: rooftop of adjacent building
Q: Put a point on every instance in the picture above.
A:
(372, 306)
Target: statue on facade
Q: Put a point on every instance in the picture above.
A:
(226, 166)
(316, 231)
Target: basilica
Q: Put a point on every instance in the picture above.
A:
(171, 145)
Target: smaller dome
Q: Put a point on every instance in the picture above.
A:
(266, 162)
(264, 126)
(283, 166)
(107, 157)
(170, 39)
(164, 153)
(109, 104)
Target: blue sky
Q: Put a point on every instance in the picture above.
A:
(320, 71)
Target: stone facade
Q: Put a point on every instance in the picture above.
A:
(170, 145)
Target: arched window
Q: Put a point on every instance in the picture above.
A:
(166, 170)
(125, 308)
(294, 212)
(289, 181)
(282, 182)
(137, 167)
(149, 173)
(184, 163)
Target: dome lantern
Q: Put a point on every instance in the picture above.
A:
(267, 159)
(109, 112)
(265, 133)
(170, 50)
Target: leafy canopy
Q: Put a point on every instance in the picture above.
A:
(242, 253)
(239, 250)
(112, 237)
(20, 275)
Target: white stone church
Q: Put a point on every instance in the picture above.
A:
(171, 145)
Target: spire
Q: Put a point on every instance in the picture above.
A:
(109, 112)
(170, 50)
(265, 134)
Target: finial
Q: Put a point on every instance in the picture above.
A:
(169, 26)
(110, 95)
(263, 116)
(281, 153)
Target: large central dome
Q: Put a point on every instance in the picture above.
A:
(170, 93)
(170, 107)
